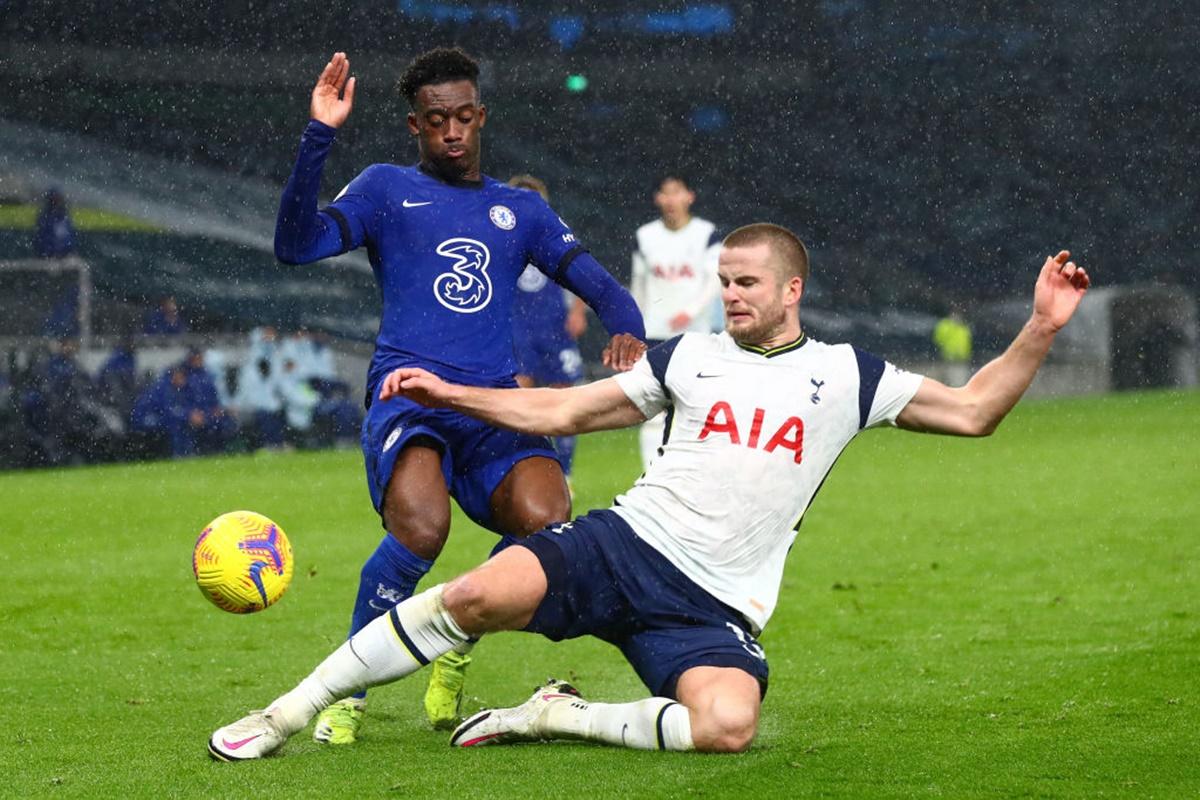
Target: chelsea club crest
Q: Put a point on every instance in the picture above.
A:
(502, 217)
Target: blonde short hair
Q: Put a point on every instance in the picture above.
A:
(524, 181)
(788, 253)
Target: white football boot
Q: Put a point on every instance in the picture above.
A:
(253, 736)
(517, 724)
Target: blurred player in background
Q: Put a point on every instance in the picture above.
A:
(674, 279)
(952, 335)
(448, 245)
(546, 323)
(684, 571)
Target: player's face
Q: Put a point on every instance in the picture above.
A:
(446, 122)
(758, 303)
(674, 201)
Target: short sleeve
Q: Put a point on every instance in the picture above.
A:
(884, 389)
(646, 384)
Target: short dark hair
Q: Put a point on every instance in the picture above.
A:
(440, 65)
(672, 176)
(790, 254)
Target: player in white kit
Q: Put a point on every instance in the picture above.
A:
(673, 279)
(684, 570)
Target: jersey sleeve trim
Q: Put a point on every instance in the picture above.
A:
(659, 357)
(343, 227)
(870, 370)
(568, 257)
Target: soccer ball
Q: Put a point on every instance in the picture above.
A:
(242, 562)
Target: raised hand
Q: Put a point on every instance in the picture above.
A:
(1060, 287)
(623, 351)
(333, 96)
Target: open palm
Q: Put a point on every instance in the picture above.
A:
(333, 96)
(1060, 287)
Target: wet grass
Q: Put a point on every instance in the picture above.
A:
(1014, 617)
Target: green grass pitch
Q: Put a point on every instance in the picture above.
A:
(1012, 617)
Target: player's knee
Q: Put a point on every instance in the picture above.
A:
(423, 534)
(468, 601)
(725, 728)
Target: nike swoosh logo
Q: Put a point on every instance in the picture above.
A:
(407, 204)
(235, 745)
(371, 603)
(712, 375)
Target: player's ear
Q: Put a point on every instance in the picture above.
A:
(794, 290)
(412, 124)
(482, 115)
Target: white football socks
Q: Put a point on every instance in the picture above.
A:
(390, 647)
(655, 723)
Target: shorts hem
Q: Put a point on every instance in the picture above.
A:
(554, 565)
(749, 665)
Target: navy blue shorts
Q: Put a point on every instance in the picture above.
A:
(548, 358)
(606, 582)
(475, 456)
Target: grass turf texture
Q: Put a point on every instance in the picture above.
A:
(1013, 617)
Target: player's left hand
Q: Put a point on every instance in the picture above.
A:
(416, 384)
(1060, 287)
(623, 351)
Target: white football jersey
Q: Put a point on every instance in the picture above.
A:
(751, 434)
(675, 271)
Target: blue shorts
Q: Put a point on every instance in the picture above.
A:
(548, 358)
(605, 581)
(475, 455)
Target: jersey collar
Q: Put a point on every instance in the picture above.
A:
(775, 351)
(461, 183)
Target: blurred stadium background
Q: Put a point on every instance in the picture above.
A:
(931, 156)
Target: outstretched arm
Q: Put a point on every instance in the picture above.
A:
(302, 234)
(550, 412)
(613, 304)
(977, 408)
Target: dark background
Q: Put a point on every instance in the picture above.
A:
(930, 155)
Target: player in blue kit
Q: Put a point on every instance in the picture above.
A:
(545, 327)
(447, 244)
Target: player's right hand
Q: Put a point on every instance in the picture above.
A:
(333, 96)
(416, 384)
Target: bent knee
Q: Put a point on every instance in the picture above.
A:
(729, 741)
(725, 730)
(466, 600)
(423, 536)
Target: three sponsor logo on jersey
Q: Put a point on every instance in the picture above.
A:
(467, 288)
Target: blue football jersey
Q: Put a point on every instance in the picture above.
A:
(447, 258)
